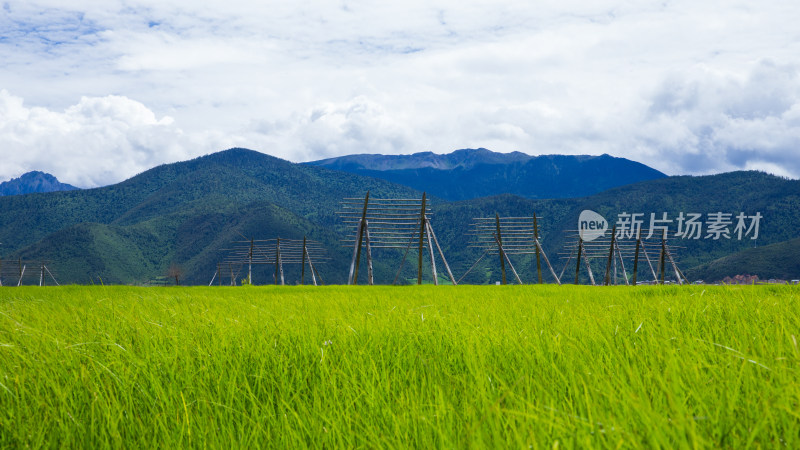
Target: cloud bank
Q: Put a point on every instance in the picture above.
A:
(96, 92)
(97, 141)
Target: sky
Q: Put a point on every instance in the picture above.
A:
(100, 90)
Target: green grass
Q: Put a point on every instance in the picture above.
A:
(485, 366)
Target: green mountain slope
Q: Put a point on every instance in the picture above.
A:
(779, 261)
(186, 213)
(777, 199)
(183, 213)
(235, 176)
(92, 252)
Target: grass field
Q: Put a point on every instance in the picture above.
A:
(467, 366)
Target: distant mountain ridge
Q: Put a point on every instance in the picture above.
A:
(34, 181)
(473, 173)
(464, 158)
(186, 213)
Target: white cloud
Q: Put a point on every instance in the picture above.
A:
(713, 122)
(684, 86)
(94, 142)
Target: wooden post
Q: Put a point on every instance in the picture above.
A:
(311, 266)
(536, 239)
(622, 263)
(589, 269)
(51, 276)
(485, 252)
(649, 263)
(446, 266)
(280, 260)
(353, 279)
(21, 272)
(370, 279)
(499, 240)
(610, 256)
(505, 255)
(233, 277)
(547, 261)
(41, 274)
(578, 259)
(430, 250)
(250, 263)
(403, 262)
(513, 270)
(315, 272)
(661, 270)
(674, 267)
(680, 272)
(303, 263)
(277, 258)
(359, 244)
(636, 258)
(421, 237)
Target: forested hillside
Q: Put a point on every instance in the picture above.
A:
(775, 198)
(187, 213)
(779, 261)
(183, 213)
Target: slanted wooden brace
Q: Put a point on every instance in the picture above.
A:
(390, 224)
(274, 252)
(618, 248)
(35, 272)
(508, 236)
(583, 253)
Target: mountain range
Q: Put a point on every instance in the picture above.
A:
(777, 261)
(33, 182)
(473, 173)
(187, 213)
(183, 213)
